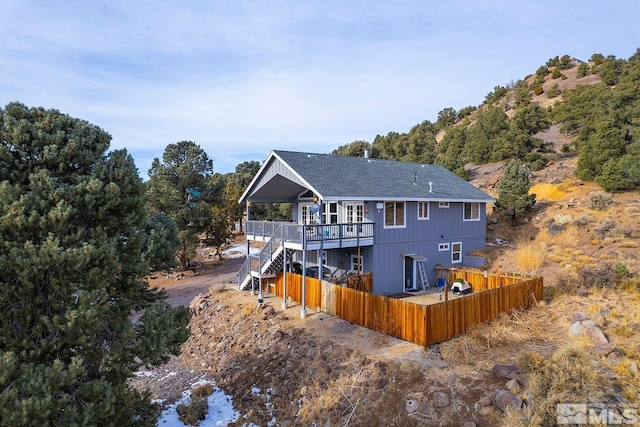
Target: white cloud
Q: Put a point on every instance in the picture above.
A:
(241, 78)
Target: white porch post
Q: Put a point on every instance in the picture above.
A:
(303, 310)
(284, 278)
(245, 230)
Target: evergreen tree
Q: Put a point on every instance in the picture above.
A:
(218, 233)
(178, 187)
(72, 269)
(513, 191)
(162, 242)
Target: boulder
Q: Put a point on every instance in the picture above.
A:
(579, 317)
(505, 398)
(484, 411)
(595, 335)
(440, 399)
(602, 350)
(485, 401)
(512, 385)
(506, 371)
(576, 329)
(582, 292)
(563, 218)
(633, 368)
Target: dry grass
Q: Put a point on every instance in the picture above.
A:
(533, 329)
(530, 255)
(565, 377)
(338, 398)
(629, 244)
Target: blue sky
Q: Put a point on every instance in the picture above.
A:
(241, 78)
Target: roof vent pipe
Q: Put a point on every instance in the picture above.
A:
(430, 187)
(366, 153)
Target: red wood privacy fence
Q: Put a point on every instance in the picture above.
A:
(422, 324)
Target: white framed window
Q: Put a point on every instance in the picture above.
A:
(456, 253)
(443, 247)
(356, 263)
(471, 212)
(394, 215)
(423, 210)
(443, 205)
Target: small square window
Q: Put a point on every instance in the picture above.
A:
(443, 247)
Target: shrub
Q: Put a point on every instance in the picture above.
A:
(565, 63)
(624, 230)
(601, 276)
(605, 226)
(621, 271)
(538, 90)
(556, 74)
(583, 70)
(584, 219)
(535, 161)
(197, 410)
(600, 201)
(542, 71)
(553, 91)
(553, 228)
(597, 58)
(552, 62)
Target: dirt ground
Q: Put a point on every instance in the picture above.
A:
(281, 369)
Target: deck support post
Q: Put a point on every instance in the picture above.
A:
(284, 277)
(303, 310)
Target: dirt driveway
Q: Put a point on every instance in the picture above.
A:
(181, 292)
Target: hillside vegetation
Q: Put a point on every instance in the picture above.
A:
(594, 105)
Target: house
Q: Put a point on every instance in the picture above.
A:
(394, 219)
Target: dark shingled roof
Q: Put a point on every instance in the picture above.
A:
(368, 178)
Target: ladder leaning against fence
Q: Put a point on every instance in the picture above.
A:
(423, 275)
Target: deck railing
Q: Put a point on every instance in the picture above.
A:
(312, 233)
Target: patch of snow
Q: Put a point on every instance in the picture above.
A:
(239, 250)
(255, 390)
(220, 413)
(145, 374)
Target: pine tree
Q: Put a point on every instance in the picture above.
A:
(72, 268)
(178, 187)
(513, 192)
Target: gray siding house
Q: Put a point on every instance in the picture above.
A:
(360, 214)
